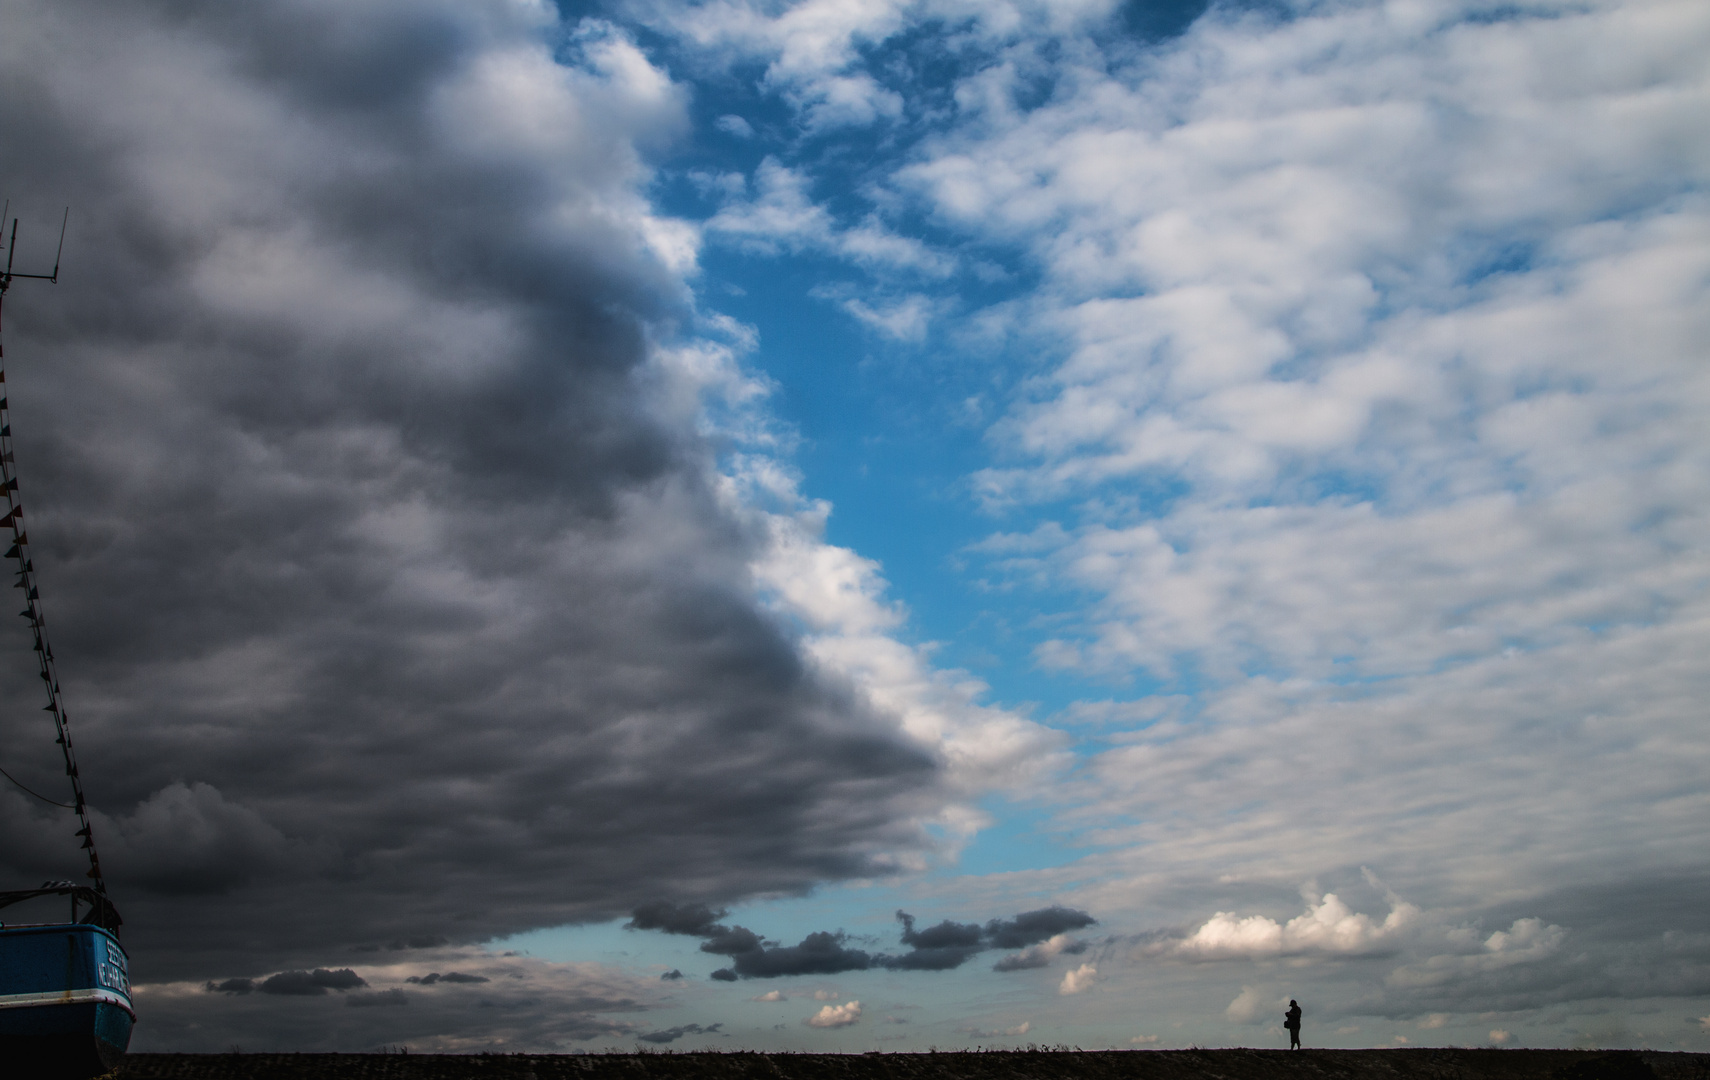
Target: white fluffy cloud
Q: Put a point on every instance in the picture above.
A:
(1328, 926)
(1364, 376)
(835, 1016)
(852, 631)
(1078, 980)
(1373, 378)
(1247, 1005)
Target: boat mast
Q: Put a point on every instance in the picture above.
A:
(12, 514)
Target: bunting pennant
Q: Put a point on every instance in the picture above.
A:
(11, 513)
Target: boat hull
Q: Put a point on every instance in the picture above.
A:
(65, 1003)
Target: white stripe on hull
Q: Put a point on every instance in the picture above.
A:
(65, 997)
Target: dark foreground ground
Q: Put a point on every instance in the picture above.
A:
(1400, 1064)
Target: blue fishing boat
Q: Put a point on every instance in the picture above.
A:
(65, 988)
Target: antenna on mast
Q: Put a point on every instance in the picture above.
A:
(12, 251)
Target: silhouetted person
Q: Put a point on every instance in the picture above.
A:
(1291, 1020)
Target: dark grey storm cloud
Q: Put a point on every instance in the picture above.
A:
(694, 920)
(1032, 927)
(293, 983)
(318, 981)
(502, 1002)
(451, 977)
(947, 945)
(822, 952)
(937, 948)
(392, 606)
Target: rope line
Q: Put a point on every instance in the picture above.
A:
(12, 513)
(29, 791)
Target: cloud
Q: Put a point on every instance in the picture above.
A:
(937, 948)
(522, 1003)
(781, 215)
(819, 953)
(1074, 982)
(1328, 926)
(695, 920)
(947, 945)
(1041, 955)
(1527, 941)
(318, 981)
(1143, 1040)
(1364, 438)
(399, 586)
(670, 1035)
(1001, 1033)
(735, 125)
(1324, 436)
(1245, 1009)
(770, 995)
(835, 1016)
(449, 977)
(1501, 1037)
(905, 320)
(671, 976)
(1033, 927)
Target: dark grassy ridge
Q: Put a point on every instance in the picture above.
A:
(1399, 1064)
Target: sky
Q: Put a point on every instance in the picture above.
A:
(871, 524)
